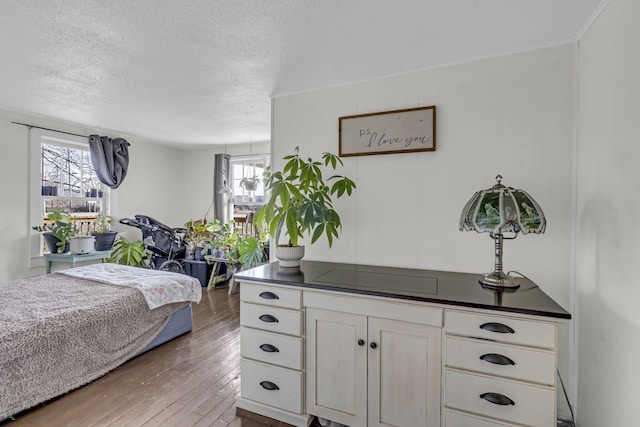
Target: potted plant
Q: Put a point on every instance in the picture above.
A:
(128, 252)
(250, 184)
(82, 244)
(105, 237)
(301, 202)
(58, 230)
(197, 237)
(235, 252)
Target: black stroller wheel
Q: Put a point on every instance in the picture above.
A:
(171, 265)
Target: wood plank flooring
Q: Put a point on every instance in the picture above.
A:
(189, 381)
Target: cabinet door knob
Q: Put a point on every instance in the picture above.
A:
(268, 348)
(497, 359)
(268, 295)
(361, 342)
(268, 318)
(268, 385)
(497, 327)
(497, 399)
(373, 345)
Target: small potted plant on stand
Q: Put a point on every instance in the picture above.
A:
(234, 252)
(105, 237)
(301, 202)
(59, 229)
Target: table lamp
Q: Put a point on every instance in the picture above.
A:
(499, 210)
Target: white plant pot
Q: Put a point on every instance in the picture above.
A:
(289, 256)
(250, 184)
(82, 244)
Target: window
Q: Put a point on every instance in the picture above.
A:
(247, 178)
(62, 177)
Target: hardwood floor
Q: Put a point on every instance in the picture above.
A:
(189, 381)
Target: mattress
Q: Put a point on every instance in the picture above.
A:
(58, 333)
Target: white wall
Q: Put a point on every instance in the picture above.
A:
(608, 244)
(511, 115)
(154, 186)
(198, 174)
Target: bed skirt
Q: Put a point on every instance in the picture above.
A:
(179, 323)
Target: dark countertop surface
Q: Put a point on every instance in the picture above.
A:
(442, 287)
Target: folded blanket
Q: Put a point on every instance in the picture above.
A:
(158, 287)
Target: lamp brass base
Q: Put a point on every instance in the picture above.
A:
(497, 280)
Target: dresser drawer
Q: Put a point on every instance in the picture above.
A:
(272, 319)
(501, 328)
(531, 405)
(278, 349)
(271, 385)
(270, 295)
(457, 419)
(505, 360)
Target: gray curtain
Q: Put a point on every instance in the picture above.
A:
(110, 158)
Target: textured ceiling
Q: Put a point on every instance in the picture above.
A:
(203, 71)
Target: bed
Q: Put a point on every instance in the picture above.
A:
(63, 330)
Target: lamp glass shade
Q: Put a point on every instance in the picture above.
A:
(502, 209)
(499, 210)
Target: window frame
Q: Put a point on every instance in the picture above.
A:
(36, 202)
(247, 160)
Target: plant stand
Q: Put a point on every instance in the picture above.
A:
(72, 259)
(227, 275)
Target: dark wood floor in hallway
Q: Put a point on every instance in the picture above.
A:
(190, 381)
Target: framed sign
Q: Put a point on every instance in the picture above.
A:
(399, 131)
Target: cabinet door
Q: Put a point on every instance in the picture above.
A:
(404, 373)
(336, 348)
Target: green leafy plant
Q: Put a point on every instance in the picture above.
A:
(128, 252)
(301, 199)
(236, 251)
(103, 222)
(61, 225)
(251, 252)
(198, 233)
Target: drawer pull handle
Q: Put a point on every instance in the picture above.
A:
(497, 399)
(268, 295)
(268, 385)
(268, 318)
(497, 327)
(269, 348)
(497, 359)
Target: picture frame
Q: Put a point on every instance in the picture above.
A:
(389, 132)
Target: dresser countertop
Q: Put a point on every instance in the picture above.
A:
(441, 287)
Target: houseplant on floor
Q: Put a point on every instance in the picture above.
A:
(197, 237)
(301, 202)
(128, 252)
(58, 230)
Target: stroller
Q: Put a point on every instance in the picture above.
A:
(165, 244)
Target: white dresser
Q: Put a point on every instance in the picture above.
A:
(272, 377)
(374, 346)
(499, 369)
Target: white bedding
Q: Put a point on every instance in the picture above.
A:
(158, 287)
